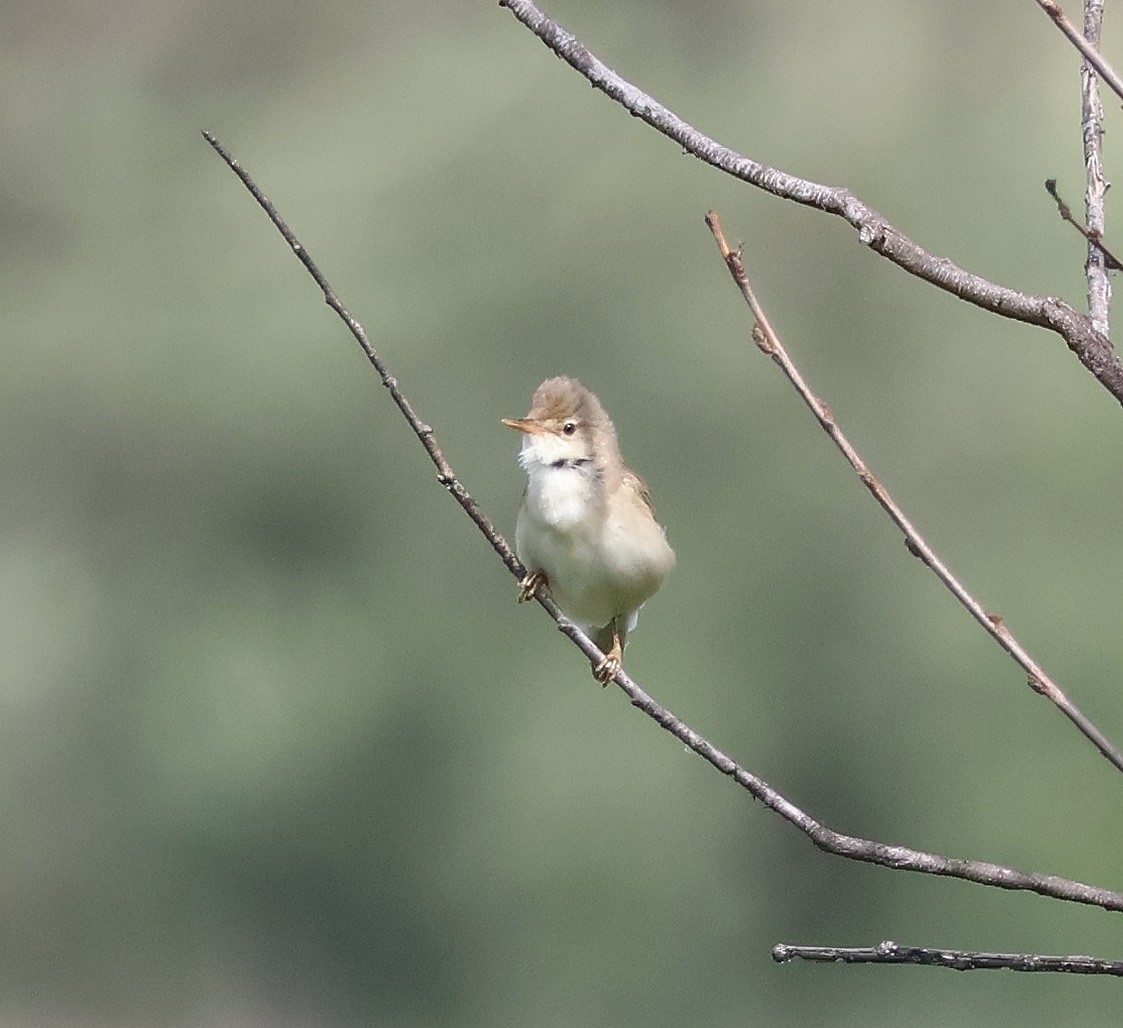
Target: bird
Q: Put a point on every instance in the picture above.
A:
(587, 529)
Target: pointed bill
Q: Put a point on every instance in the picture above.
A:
(523, 425)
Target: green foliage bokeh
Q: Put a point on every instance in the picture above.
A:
(278, 744)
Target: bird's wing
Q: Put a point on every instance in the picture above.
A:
(632, 481)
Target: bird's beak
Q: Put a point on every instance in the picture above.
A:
(525, 425)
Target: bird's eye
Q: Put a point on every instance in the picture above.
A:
(569, 427)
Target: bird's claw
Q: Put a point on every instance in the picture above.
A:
(606, 670)
(529, 585)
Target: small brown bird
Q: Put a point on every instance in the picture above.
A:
(587, 528)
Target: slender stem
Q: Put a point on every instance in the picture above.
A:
(767, 340)
(899, 858)
(953, 959)
(1110, 261)
(1092, 347)
(1087, 46)
(1091, 124)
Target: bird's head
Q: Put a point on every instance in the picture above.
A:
(566, 426)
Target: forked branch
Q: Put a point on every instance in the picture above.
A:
(897, 857)
(1092, 347)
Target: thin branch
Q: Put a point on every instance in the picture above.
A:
(992, 623)
(952, 959)
(1111, 262)
(423, 431)
(1086, 46)
(1095, 189)
(896, 857)
(1092, 348)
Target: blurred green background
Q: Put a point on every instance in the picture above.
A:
(279, 747)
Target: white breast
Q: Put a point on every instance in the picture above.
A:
(597, 570)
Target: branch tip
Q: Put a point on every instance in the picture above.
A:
(713, 221)
(1093, 236)
(768, 341)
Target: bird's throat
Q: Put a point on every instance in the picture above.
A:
(568, 498)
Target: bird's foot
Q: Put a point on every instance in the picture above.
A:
(610, 667)
(529, 585)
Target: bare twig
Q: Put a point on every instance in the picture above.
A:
(896, 857)
(1086, 46)
(1110, 261)
(424, 432)
(1095, 189)
(992, 623)
(1092, 347)
(953, 959)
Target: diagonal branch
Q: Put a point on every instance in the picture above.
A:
(1110, 261)
(1093, 349)
(897, 857)
(993, 624)
(423, 431)
(1086, 47)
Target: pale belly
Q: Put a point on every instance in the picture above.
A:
(596, 572)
